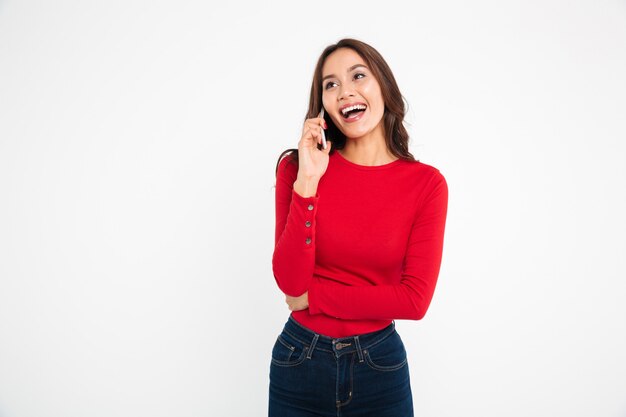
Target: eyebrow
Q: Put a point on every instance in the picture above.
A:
(349, 69)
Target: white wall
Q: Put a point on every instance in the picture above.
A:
(138, 141)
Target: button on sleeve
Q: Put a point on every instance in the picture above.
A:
(293, 260)
(308, 215)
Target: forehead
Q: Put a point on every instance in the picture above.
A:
(340, 60)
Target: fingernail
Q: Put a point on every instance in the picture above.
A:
(325, 125)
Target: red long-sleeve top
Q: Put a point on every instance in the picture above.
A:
(367, 247)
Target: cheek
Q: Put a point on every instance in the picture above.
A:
(325, 99)
(375, 97)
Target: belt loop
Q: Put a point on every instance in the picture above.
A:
(358, 348)
(313, 343)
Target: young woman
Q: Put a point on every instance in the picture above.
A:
(358, 244)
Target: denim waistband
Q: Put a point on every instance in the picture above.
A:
(340, 345)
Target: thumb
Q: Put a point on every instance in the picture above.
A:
(328, 146)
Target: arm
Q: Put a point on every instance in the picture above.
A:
(411, 297)
(293, 259)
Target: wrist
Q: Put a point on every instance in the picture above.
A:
(306, 187)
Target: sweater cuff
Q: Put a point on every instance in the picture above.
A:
(302, 200)
(302, 213)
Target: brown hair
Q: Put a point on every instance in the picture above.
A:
(396, 136)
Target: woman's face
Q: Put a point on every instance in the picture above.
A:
(347, 81)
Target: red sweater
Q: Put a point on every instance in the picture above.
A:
(367, 247)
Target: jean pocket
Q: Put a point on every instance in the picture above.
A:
(288, 351)
(387, 355)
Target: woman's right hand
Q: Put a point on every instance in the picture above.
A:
(312, 161)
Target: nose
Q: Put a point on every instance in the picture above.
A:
(345, 92)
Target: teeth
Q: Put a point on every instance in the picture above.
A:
(356, 106)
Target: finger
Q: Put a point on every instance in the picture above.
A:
(318, 134)
(319, 121)
(313, 133)
(316, 121)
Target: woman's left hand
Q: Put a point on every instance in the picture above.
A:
(298, 303)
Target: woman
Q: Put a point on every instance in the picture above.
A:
(358, 244)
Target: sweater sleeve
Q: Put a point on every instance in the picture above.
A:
(411, 297)
(293, 260)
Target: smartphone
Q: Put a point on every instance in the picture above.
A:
(323, 134)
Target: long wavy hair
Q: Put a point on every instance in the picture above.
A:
(396, 136)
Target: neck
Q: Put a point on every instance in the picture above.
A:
(370, 149)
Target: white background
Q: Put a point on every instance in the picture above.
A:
(138, 142)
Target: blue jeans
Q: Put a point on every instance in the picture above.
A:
(361, 375)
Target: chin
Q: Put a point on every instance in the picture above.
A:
(358, 133)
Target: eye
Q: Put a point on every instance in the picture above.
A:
(355, 75)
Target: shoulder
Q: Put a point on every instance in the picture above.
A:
(427, 182)
(287, 167)
(426, 173)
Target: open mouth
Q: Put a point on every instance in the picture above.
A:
(353, 112)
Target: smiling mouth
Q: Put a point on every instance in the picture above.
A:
(354, 113)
